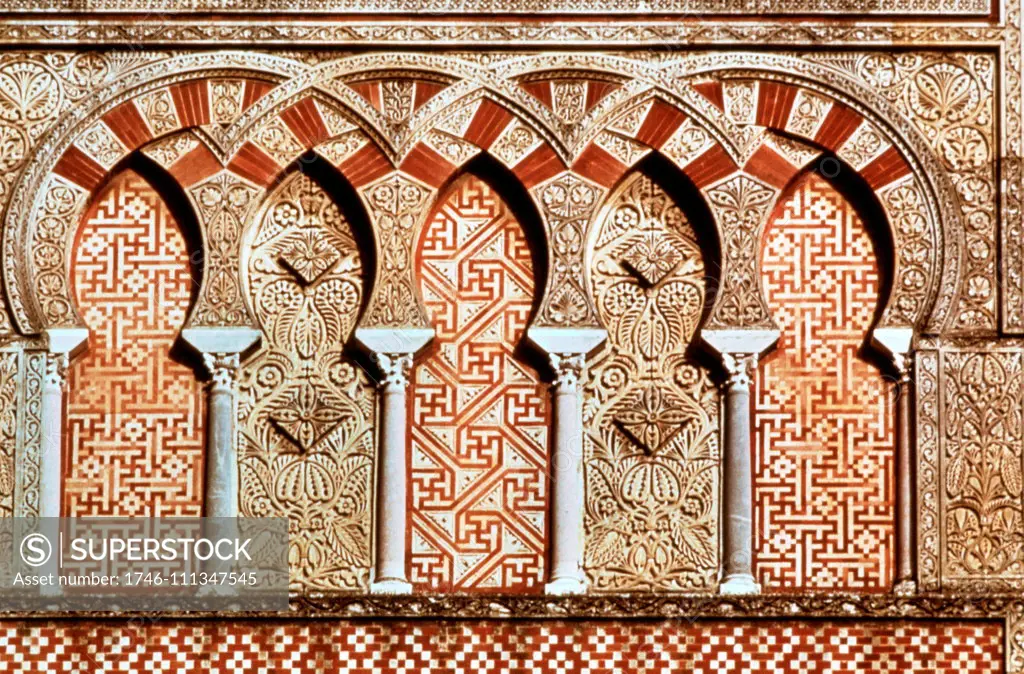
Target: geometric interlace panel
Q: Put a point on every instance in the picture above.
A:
(824, 431)
(134, 414)
(505, 646)
(478, 419)
(305, 411)
(651, 414)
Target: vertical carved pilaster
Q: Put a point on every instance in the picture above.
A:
(737, 504)
(51, 462)
(392, 476)
(567, 496)
(221, 491)
(906, 553)
(51, 469)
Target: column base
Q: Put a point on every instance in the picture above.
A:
(564, 586)
(391, 587)
(739, 584)
(905, 588)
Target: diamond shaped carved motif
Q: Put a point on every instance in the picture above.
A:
(652, 258)
(651, 417)
(309, 256)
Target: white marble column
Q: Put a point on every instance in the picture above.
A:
(221, 490)
(392, 473)
(51, 414)
(897, 342)
(221, 349)
(737, 479)
(567, 489)
(393, 350)
(63, 343)
(739, 351)
(906, 583)
(566, 348)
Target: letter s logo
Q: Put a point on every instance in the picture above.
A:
(36, 550)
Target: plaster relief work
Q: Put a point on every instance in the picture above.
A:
(479, 414)
(980, 478)
(652, 447)
(823, 418)
(9, 414)
(306, 412)
(135, 411)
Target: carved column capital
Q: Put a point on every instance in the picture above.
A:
(55, 377)
(904, 364)
(395, 367)
(569, 370)
(223, 369)
(739, 368)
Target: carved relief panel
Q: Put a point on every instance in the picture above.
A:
(306, 412)
(971, 439)
(823, 418)
(9, 417)
(479, 415)
(135, 412)
(652, 448)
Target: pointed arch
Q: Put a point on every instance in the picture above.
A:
(136, 411)
(306, 409)
(824, 428)
(479, 413)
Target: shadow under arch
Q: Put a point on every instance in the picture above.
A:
(688, 198)
(341, 192)
(524, 210)
(173, 196)
(678, 186)
(852, 187)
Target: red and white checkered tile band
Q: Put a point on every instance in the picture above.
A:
(483, 647)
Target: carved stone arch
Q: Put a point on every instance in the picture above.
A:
(134, 271)
(823, 274)
(638, 81)
(479, 414)
(315, 113)
(87, 141)
(857, 193)
(915, 190)
(653, 410)
(739, 181)
(305, 409)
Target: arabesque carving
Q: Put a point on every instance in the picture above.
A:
(651, 451)
(306, 412)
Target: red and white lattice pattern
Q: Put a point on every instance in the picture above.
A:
(505, 647)
(135, 415)
(823, 475)
(478, 416)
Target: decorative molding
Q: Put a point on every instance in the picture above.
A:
(953, 9)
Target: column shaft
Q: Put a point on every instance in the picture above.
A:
(221, 496)
(567, 492)
(737, 506)
(392, 487)
(51, 470)
(905, 515)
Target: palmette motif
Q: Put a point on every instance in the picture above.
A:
(651, 448)
(981, 467)
(305, 415)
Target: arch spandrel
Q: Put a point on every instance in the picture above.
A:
(77, 153)
(827, 92)
(305, 415)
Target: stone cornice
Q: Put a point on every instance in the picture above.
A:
(611, 33)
